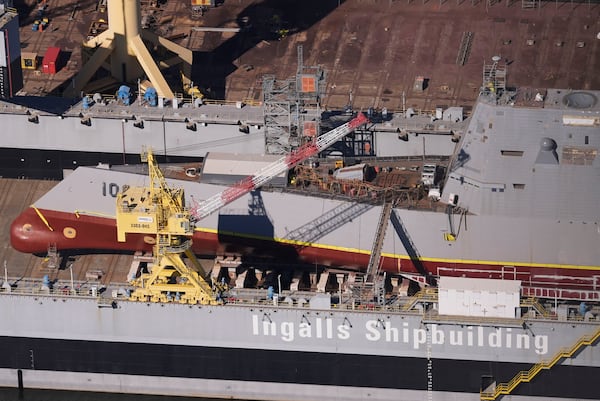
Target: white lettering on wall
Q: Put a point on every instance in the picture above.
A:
(322, 329)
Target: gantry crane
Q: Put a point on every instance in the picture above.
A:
(159, 211)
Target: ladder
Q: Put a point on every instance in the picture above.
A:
(525, 376)
(53, 258)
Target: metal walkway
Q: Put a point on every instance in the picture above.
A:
(375, 258)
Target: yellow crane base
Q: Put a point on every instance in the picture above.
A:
(190, 297)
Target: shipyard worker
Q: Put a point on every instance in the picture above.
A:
(582, 308)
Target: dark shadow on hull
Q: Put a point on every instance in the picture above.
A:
(254, 233)
(50, 164)
(415, 258)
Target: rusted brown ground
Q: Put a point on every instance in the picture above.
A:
(372, 49)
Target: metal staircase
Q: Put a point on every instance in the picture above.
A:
(374, 260)
(528, 375)
(534, 304)
(372, 286)
(427, 295)
(373, 268)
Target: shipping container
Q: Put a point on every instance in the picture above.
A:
(50, 63)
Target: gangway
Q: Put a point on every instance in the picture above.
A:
(371, 285)
(526, 376)
(375, 259)
(374, 266)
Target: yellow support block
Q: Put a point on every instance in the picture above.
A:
(29, 61)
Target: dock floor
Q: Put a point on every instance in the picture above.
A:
(371, 50)
(18, 194)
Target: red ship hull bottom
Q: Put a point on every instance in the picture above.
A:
(33, 231)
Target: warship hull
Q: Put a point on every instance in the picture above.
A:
(324, 234)
(62, 136)
(52, 164)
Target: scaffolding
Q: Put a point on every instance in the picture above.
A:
(494, 79)
(292, 108)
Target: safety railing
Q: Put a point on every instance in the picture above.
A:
(526, 376)
(425, 295)
(534, 304)
(402, 305)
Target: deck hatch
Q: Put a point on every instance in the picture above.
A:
(518, 153)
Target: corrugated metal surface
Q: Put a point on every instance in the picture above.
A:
(228, 168)
(355, 172)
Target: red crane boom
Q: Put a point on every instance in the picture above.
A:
(279, 166)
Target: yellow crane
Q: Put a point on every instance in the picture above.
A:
(160, 211)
